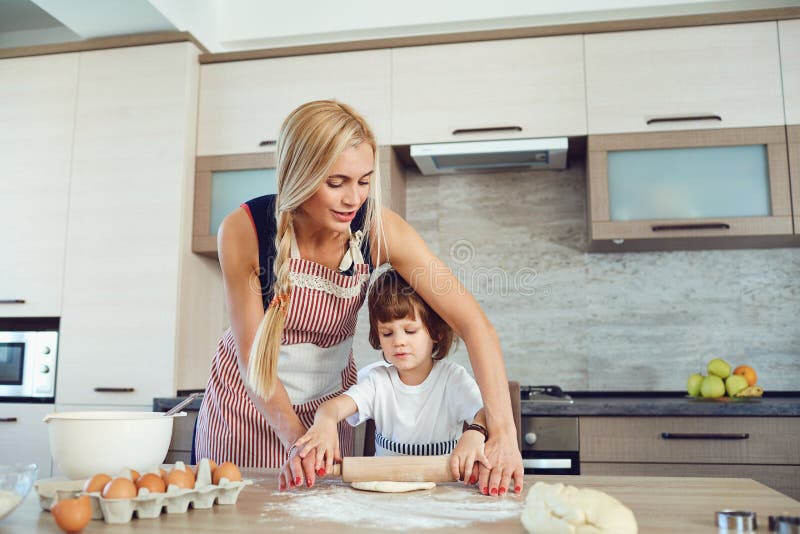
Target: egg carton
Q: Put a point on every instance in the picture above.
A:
(148, 505)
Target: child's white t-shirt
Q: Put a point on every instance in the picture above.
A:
(416, 420)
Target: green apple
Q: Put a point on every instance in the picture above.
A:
(712, 387)
(693, 384)
(735, 383)
(719, 367)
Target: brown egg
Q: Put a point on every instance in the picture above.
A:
(180, 478)
(72, 515)
(226, 470)
(162, 471)
(119, 488)
(135, 474)
(153, 483)
(96, 483)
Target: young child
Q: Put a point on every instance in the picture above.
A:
(419, 402)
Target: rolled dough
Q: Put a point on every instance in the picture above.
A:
(386, 486)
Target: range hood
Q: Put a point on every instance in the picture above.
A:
(487, 156)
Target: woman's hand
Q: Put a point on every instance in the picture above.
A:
(297, 469)
(503, 454)
(322, 438)
(467, 456)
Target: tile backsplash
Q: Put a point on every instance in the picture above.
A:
(601, 321)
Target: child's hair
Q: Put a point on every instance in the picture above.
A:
(391, 298)
(312, 137)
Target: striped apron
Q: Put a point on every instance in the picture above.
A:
(315, 364)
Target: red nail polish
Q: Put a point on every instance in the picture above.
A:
(485, 491)
(502, 491)
(297, 481)
(282, 488)
(473, 480)
(321, 472)
(494, 491)
(308, 483)
(517, 489)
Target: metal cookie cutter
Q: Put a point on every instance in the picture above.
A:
(736, 521)
(784, 524)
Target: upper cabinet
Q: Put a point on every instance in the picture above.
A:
(244, 103)
(37, 113)
(488, 90)
(789, 31)
(726, 76)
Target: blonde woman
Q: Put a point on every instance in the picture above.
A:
(295, 267)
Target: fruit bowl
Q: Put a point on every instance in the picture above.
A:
(15, 483)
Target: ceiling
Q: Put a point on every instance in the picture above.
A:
(231, 25)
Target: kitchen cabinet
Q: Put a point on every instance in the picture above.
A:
(488, 90)
(139, 308)
(789, 32)
(223, 183)
(725, 76)
(243, 104)
(25, 438)
(37, 112)
(793, 138)
(766, 449)
(676, 187)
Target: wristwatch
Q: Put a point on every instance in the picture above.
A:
(479, 428)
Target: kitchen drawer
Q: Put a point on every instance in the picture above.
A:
(772, 440)
(783, 478)
(23, 435)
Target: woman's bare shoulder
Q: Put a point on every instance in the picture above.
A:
(237, 243)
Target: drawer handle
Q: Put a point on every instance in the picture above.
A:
(114, 390)
(700, 226)
(485, 130)
(674, 435)
(12, 301)
(685, 119)
(268, 142)
(8, 419)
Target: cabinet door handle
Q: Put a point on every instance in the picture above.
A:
(701, 435)
(8, 419)
(12, 301)
(114, 390)
(699, 226)
(268, 142)
(685, 119)
(485, 130)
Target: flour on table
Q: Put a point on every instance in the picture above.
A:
(332, 502)
(8, 501)
(387, 486)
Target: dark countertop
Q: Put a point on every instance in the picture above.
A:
(783, 404)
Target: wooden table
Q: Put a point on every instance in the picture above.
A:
(661, 505)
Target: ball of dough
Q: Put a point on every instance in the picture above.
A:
(385, 486)
(560, 509)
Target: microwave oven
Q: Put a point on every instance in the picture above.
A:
(28, 365)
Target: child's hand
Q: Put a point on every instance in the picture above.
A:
(324, 437)
(466, 457)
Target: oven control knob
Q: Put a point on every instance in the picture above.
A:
(530, 438)
(44, 369)
(46, 350)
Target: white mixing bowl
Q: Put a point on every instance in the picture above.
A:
(86, 443)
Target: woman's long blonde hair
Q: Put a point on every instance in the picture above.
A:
(312, 137)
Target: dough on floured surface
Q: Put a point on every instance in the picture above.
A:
(387, 486)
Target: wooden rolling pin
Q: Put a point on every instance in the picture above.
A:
(394, 468)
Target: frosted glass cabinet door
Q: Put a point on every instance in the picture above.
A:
(689, 184)
(222, 183)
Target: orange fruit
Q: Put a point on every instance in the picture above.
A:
(748, 372)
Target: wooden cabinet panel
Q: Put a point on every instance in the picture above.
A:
(535, 85)
(243, 103)
(636, 79)
(789, 32)
(37, 113)
(772, 440)
(25, 439)
(783, 478)
(132, 161)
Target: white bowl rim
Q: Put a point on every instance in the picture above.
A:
(108, 416)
